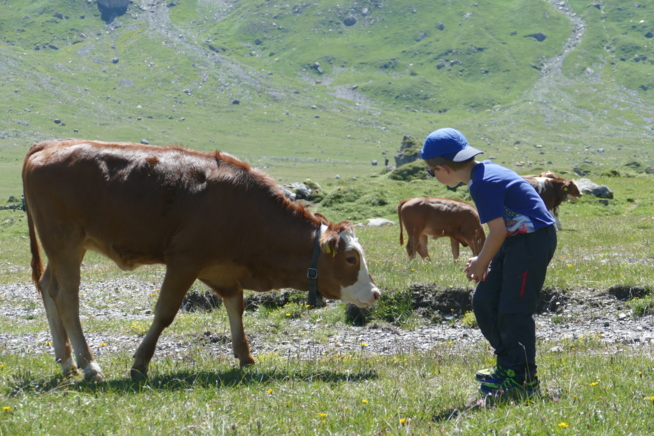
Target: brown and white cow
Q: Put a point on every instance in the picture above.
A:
(206, 216)
(439, 217)
(554, 191)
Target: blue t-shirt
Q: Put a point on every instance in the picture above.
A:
(500, 192)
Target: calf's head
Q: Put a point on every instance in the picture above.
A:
(572, 190)
(342, 269)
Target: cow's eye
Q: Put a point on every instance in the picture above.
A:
(351, 260)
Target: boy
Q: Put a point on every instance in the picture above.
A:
(510, 269)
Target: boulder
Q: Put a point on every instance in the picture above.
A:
(587, 186)
(379, 222)
(409, 151)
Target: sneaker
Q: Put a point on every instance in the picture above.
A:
(494, 375)
(510, 387)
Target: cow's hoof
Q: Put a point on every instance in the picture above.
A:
(93, 372)
(247, 362)
(71, 372)
(138, 375)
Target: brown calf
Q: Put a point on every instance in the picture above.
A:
(206, 216)
(439, 217)
(554, 191)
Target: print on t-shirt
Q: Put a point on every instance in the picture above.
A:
(516, 223)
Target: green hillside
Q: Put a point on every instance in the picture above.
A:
(318, 89)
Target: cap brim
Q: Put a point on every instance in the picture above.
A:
(462, 155)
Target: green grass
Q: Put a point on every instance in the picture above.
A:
(589, 391)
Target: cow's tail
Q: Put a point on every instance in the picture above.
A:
(36, 263)
(399, 216)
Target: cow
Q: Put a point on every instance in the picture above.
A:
(439, 217)
(554, 191)
(205, 216)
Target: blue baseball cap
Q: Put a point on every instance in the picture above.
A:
(448, 143)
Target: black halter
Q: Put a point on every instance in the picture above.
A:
(312, 274)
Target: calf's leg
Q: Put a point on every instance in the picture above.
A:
(455, 248)
(422, 246)
(234, 306)
(175, 285)
(63, 289)
(60, 341)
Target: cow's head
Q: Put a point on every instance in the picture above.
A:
(342, 269)
(572, 190)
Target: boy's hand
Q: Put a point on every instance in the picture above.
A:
(475, 270)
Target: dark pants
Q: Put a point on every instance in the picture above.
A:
(505, 302)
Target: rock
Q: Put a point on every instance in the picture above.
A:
(57, 121)
(289, 194)
(379, 222)
(587, 186)
(374, 163)
(144, 141)
(409, 151)
(236, 102)
(114, 60)
(557, 349)
(350, 21)
(300, 190)
(440, 26)
(540, 37)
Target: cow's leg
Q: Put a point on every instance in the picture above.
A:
(555, 214)
(422, 246)
(411, 246)
(455, 248)
(65, 276)
(175, 285)
(60, 342)
(234, 306)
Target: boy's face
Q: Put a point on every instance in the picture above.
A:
(444, 175)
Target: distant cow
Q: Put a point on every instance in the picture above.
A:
(206, 216)
(554, 191)
(439, 217)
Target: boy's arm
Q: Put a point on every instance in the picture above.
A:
(477, 266)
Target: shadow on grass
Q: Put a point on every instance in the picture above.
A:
(186, 380)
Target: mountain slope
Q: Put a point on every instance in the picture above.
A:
(318, 89)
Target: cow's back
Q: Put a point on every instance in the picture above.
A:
(133, 201)
(441, 216)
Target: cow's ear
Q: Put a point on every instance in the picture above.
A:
(566, 184)
(329, 242)
(321, 217)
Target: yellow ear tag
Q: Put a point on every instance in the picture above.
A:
(565, 189)
(327, 249)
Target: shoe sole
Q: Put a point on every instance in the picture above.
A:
(493, 392)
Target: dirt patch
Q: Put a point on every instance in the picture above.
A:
(628, 292)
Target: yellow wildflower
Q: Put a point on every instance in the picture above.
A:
(6, 409)
(403, 421)
(594, 383)
(563, 425)
(365, 401)
(322, 415)
(270, 391)
(363, 344)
